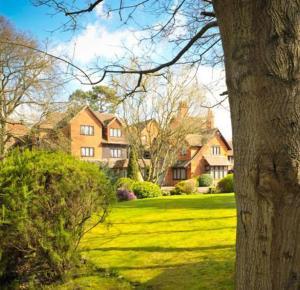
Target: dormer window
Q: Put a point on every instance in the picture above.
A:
(216, 150)
(87, 130)
(115, 132)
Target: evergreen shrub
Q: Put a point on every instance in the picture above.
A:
(205, 180)
(46, 198)
(146, 189)
(226, 184)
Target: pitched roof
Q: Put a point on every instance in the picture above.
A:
(105, 118)
(141, 125)
(215, 160)
(194, 139)
(182, 163)
(200, 139)
(51, 120)
(17, 129)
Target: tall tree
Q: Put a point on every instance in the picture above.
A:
(159, 120)
(27, 79)
(99, 98)
(261, 52)
(133, 170)
(261, 41)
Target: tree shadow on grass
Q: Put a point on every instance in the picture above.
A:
(176, 220)
(144, 233)
(207, 202)
(210, 274)
(160, 249)
(174, 232)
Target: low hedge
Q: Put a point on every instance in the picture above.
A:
(146, 189)
(185, 187)
(226, 184)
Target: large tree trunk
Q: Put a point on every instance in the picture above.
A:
(261, 41)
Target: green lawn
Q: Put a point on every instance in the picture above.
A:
(178, 242)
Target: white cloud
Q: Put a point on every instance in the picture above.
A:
(102, 12)
(96, 41)
(213, 79)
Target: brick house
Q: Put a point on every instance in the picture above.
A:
(92, 136)
(205, 153)
(101, 137)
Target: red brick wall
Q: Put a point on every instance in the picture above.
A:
(116, 125)
(86, 117)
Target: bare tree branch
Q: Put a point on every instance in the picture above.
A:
(90, 8)
(48, 54)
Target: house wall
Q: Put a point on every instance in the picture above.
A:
(169, 175)
(169, 181)
(116, 124)
(86, 117)
(187, 156)
(198, 164)
(149, 133)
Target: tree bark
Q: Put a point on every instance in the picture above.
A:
(261, 41)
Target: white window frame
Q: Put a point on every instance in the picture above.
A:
(115, 132)
(216, 150)
(218, 172)
(115, 152)
(87, 151)
(87, 130)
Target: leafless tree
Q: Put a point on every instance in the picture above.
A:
(159, 120)
(27, 82)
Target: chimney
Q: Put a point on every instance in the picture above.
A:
(182, 109)
(210, 121)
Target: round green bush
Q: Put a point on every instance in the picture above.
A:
(186, 186)
(146, 189)
(226, 184)
(46, 198)
(205, 180)
(125, 183)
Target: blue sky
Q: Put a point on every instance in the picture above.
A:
(41, 21)
(34, 20)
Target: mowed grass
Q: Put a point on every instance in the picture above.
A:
(178, 242)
